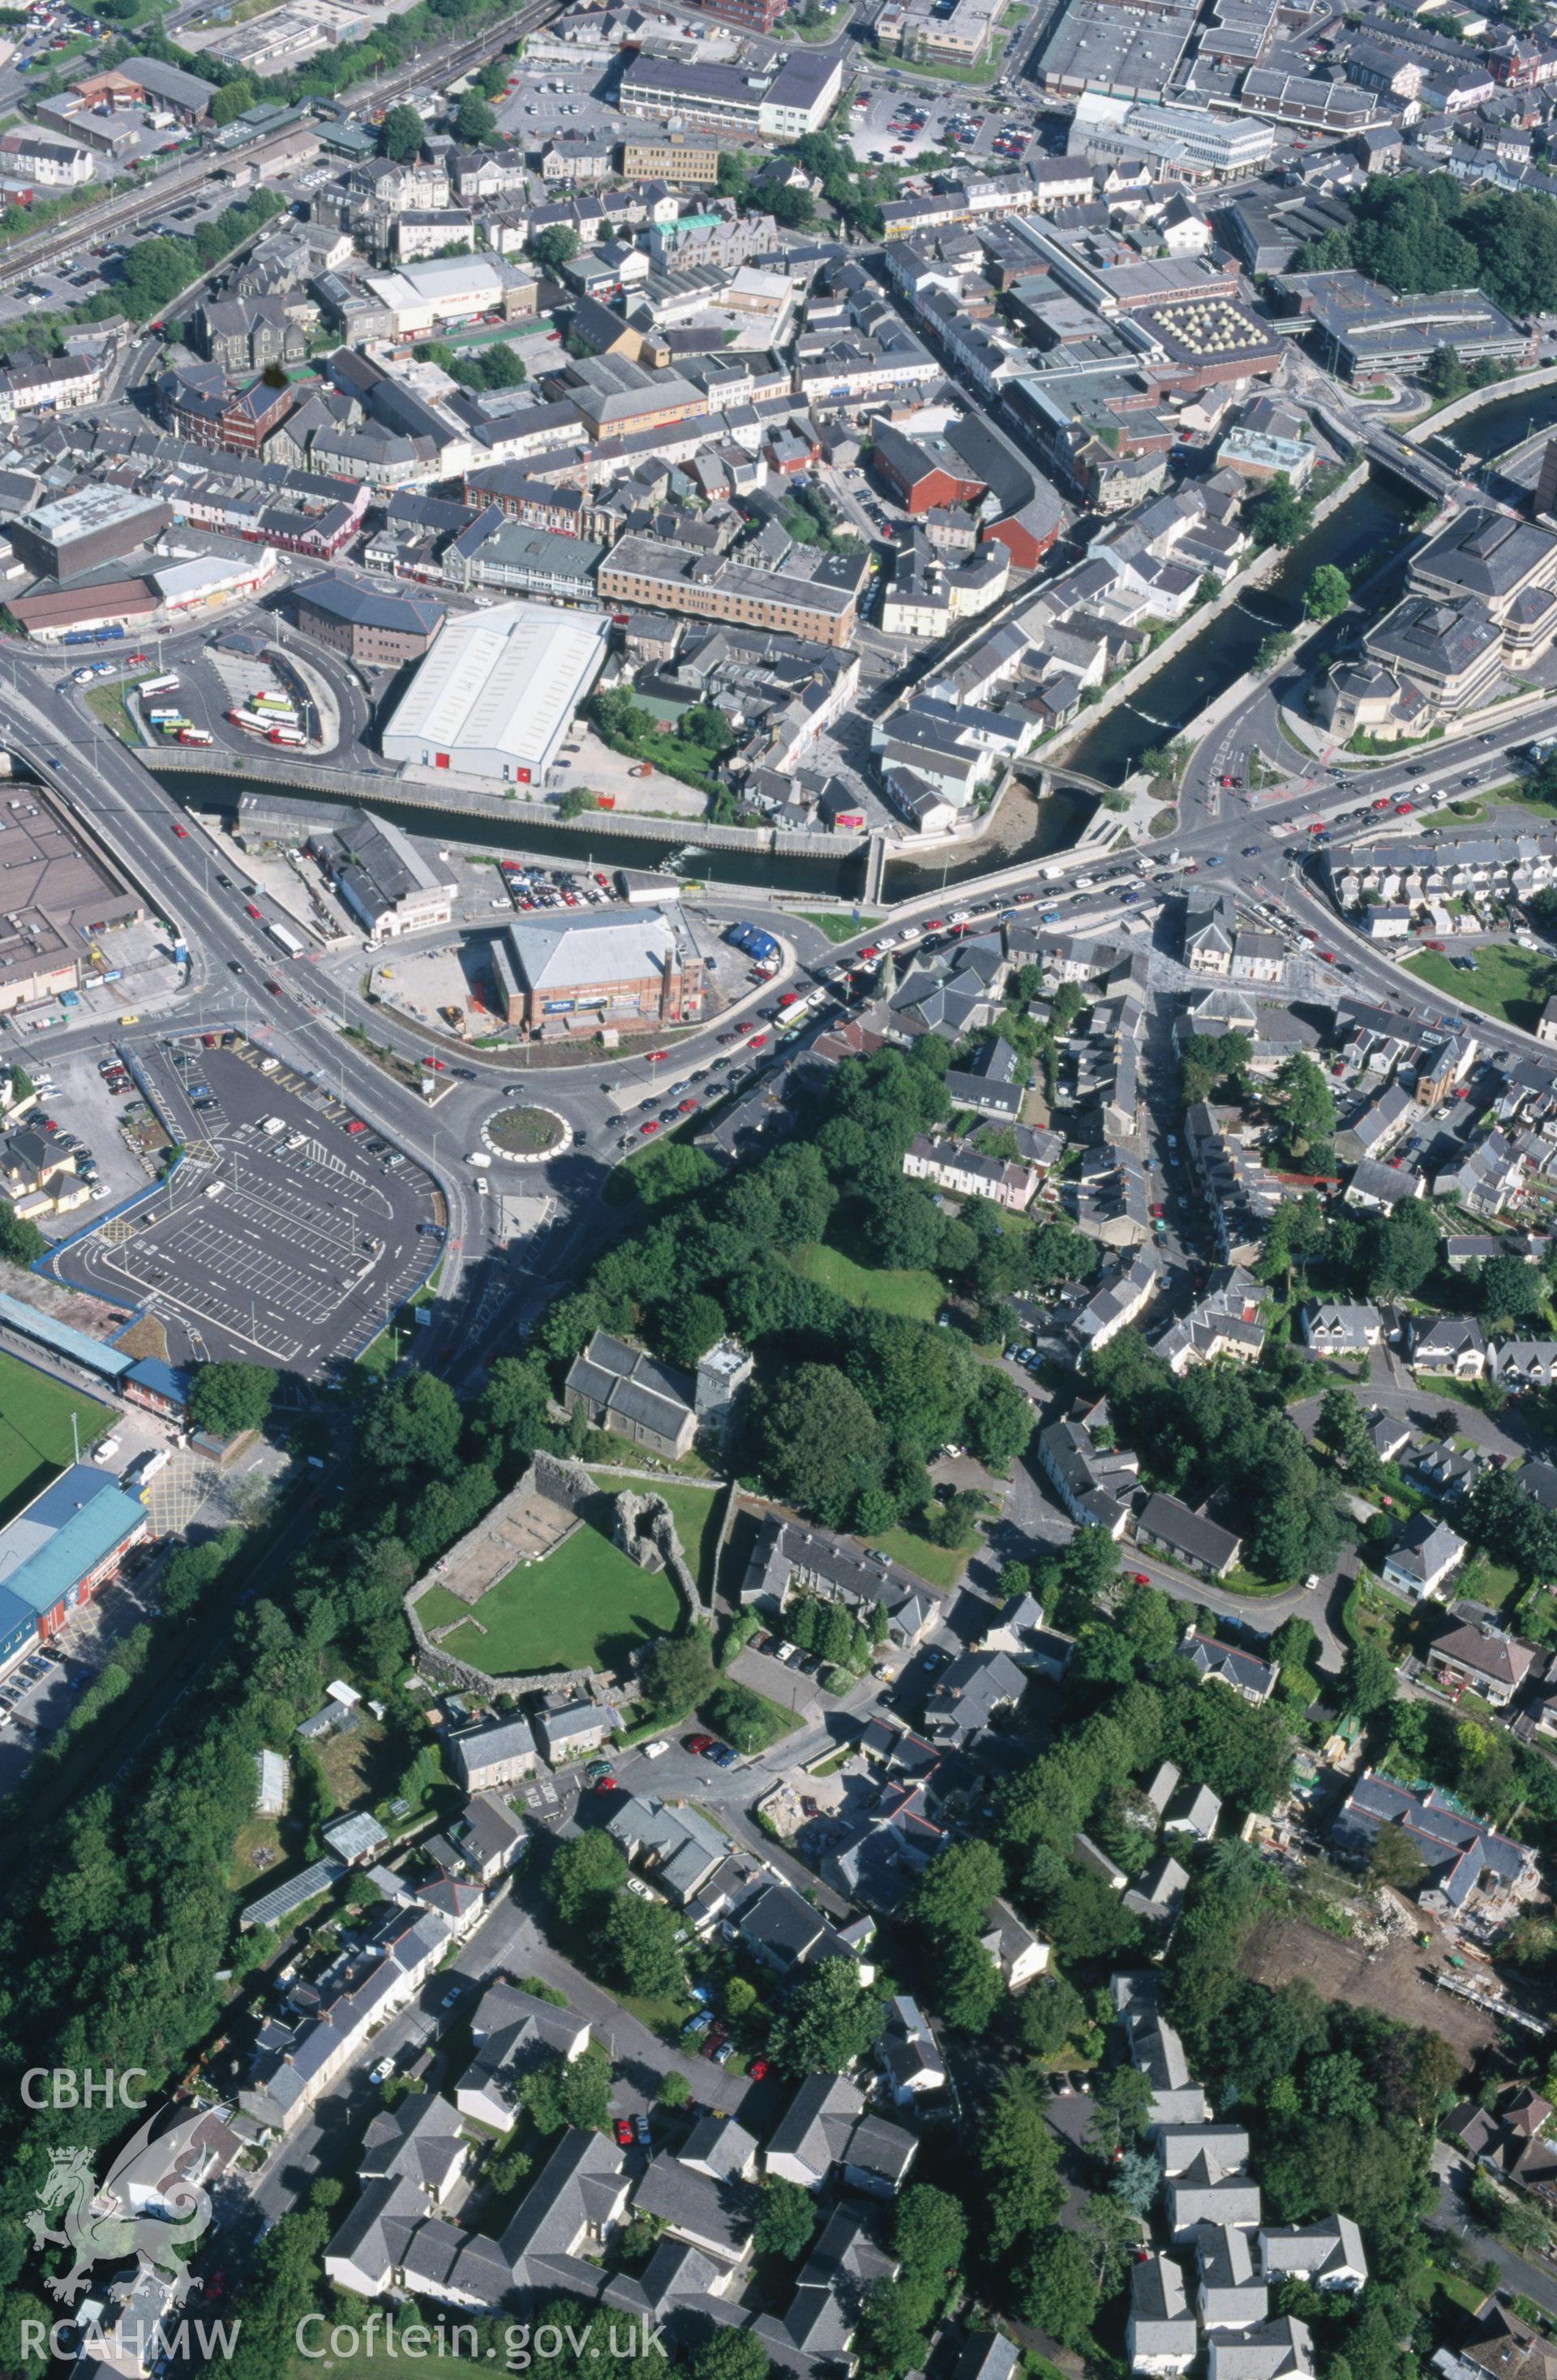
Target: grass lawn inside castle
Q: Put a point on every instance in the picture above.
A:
(585, 1605)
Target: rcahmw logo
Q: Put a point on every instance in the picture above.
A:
(62, 2086)
(132, 2345)
(150, 2207)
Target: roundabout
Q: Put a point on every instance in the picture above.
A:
(526, 1134)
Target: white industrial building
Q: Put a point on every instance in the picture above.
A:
(494, 696)
(447, 289)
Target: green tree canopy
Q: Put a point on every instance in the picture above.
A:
(401, 134)
(585, 1872)
(1393, 1858)
(1368, 1678)
(827, 2022)
(792, 207)
(728, 2354)
(1510, 1289)
(413, 1425)
(1304, 1109)
(510, 1420)
(554, 245)
(786, 2220)
(958, 1886)
(574, 2092)
(821, 1442)
(640, 1939)
(1278, 516)
(228, 1398)
(1421, 233)
(690, 1328)
(1343, 1428)
(1019, 2163)
(930, 2233)
(1328, 593)
(474, 120)
(232, 100)
(1055, 2287)
(677, 1672)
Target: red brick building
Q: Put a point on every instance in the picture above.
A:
(753, 16)
(1028, 535)
(924, 473)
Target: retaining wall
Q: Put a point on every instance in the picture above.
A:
(1472, 402)
(431, 790)
(1263, 566)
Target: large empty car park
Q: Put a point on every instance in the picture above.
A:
(287, 1231)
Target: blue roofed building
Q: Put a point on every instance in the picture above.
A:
(161, 1386)
(54, 1556)
(144, 1381)
(45, 1331)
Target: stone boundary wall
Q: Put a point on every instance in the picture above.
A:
(561, 1481)
(1472, 402)
(422, 790)
(645, 1532)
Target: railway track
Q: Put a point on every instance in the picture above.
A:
(118, 215)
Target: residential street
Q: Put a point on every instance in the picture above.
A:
(1536, 2281)
(510, 1943)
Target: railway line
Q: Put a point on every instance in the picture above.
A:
(148, 200)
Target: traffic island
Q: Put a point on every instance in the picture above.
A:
(526, 1135)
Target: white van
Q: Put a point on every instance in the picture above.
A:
(271, 1125)
(215, 1189)
(479, 1159)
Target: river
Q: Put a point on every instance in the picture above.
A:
(1493, 427)
(1367, 524)
(1056, 822)
(1368, 521)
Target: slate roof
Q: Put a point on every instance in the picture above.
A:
(1477, 1647)
(716, 2215)
(579, 2186)
(624, 1379)
(817, 2122)
(1424, 1547)
(1313, 2251)
(1212, 1659)
(1462, 1854)
(1165, 1517)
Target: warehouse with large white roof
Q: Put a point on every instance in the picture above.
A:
(497, 693)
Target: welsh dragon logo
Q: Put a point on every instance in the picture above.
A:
(100, 2226)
